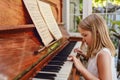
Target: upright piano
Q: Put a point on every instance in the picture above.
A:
(22, 53)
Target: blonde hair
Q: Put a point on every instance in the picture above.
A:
(97, 25)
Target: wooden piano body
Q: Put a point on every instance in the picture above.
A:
(19, 40)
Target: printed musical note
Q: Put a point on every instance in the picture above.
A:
(47, 14)
(32, 7)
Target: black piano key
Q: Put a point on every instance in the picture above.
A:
(45, 76)
(66, 51)
(54, 62)
(58, 60)
(51, 68)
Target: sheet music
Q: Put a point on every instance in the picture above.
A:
(38, 21)
(47, 14)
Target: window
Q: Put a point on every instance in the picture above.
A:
(76, 11)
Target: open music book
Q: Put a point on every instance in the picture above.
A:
(44, 21)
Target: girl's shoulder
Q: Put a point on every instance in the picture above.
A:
(104, 51)
(103, 54)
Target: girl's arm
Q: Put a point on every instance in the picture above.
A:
(104, 66)
(85, 73)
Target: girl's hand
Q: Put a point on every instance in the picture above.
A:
(79, 51)
(76, 62)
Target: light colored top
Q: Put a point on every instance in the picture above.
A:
(92, 64)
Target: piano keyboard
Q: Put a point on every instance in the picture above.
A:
(59, 68)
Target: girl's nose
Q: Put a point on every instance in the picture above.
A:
(83, 40)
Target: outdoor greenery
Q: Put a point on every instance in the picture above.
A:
(105, 6)
(115, 32)
(115, 28)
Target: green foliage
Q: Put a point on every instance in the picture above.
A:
(115, 29)
(78, 19)
(81, 6)
(101, 2)
(115, 32)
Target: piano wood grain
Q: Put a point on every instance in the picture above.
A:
(16, 51)
(17, 46)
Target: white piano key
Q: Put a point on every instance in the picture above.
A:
(65, 70)
(67, 67)
(39, 79)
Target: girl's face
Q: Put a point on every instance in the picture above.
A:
(87, 36)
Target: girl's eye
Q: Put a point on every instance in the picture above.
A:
(84, 35)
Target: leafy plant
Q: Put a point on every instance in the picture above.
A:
(115, 32)
(115, 29)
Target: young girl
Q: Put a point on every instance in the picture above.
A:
(100, 51)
